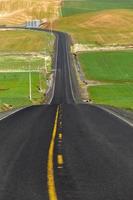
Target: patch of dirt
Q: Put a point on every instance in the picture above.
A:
(6, 107)
(94, 83)
(87, 47)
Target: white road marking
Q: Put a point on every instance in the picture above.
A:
(116, 115)
(55, 69)
(68, 61)
(12, 112)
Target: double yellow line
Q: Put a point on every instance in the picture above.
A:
(50, 167)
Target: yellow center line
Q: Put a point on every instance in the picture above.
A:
(50, 165)
(60, 159)
(60, 136)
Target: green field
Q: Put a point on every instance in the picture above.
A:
(108, 66)
(25, 41)
(82, 6)
(115, 72)
(118, 95)
(14, 89)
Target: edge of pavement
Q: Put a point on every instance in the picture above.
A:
(6, 114)
(124, 115)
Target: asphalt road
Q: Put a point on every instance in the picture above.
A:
(66, 150)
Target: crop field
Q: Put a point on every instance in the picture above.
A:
(108, 66)
(23, 41)
(99, 28)
(14, 79)
(13, 12)
(21, 52)
(14, 89)
(118, 95)
(72, 7)
(115, 72)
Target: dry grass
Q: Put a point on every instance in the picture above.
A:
(24, 41)
(19, 11)
(103, 27)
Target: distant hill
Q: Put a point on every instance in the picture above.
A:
(100, 28)
(19, 11)
(98, 22)
(73, 7)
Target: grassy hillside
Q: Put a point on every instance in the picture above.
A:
(100, 28)
(19, 11)
(24, 41)
(72, 7)
(114, 70)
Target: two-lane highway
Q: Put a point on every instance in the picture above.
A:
(66, 150)
(64, 91)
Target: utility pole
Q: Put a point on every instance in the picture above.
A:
(60, 9)
(51, 33)
(30, 90)
(40, 82)
(45, 66)
(51, 26)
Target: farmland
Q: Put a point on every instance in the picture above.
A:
(83, 6)
(97, 24)
(118, 95)
(99, 28)
(23, 62)
(14, 12)
(23, 41)
(23, 53)
(14, 89)
(108, 66)
(114, 70)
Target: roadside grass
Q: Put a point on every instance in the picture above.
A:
(14, 89)
(118, 95)
(71, 7)
(24, 41)
(115, 72)
(115, 66)
(99, 28)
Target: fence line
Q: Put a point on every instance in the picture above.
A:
(18, 70)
